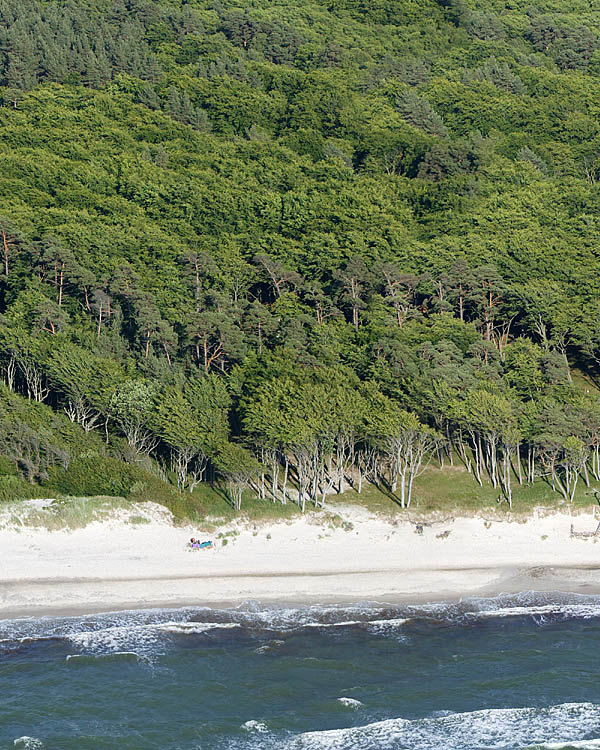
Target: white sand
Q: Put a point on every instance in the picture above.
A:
(113, 565)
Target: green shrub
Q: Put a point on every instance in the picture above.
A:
(92, 474)
(182, 505)
(7, 467)
(14, 488)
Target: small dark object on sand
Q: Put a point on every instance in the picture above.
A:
(197, 544)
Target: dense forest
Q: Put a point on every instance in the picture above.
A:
(298, 245)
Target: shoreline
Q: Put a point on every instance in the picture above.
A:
(553, 583)
(113, 565)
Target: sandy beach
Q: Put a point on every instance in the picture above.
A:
(116, 565)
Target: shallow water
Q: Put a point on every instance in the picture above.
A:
(509, 672)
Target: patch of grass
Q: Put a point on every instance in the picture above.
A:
(448, 491)
(371, 498)
(231, 532)
(73, 512)
(218, 510)
(92, 475)
(454, 490)
(584, 382)
(324, 518)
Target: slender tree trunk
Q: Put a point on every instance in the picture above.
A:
(61, 278)
(477, 448)
(402, 490)
(301, 500)
(462, 452)
(557, 483)
(262, 474)
(11, 370)
(519, 466)
(409, 489)
(530, 465)
(507, 484)
(315, 471)
(586, 476)
(340, 467)
(274, 475)
(285, 479)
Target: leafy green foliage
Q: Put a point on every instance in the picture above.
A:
(94, 475)
(14, 488)
(321, 236)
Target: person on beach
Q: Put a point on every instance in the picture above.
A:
(197, 544)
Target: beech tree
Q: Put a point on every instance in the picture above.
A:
(176, 424)
(239, 467)
(193, 423)
(407, 444)
(85, 382)
(354, 280)
(286, 234)
(131, 408)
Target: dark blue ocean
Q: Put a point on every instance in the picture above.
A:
(510, 672)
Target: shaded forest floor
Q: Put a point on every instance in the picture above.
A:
(451, 490)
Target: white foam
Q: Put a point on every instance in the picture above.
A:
(388, 628)
(508, 729)
(350, 702)
(589, 744)
(255, 726)
(254, 615)
(145, 640)
(268, 646)
(141, 639)
(196, 627)
(146, 631)
(393, 622)
(124, 655)
(30, 743)
(580, 611)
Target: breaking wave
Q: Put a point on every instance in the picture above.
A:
(341, 669)
(568, 725)
(147, 632)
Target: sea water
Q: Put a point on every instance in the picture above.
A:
(510, 672)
